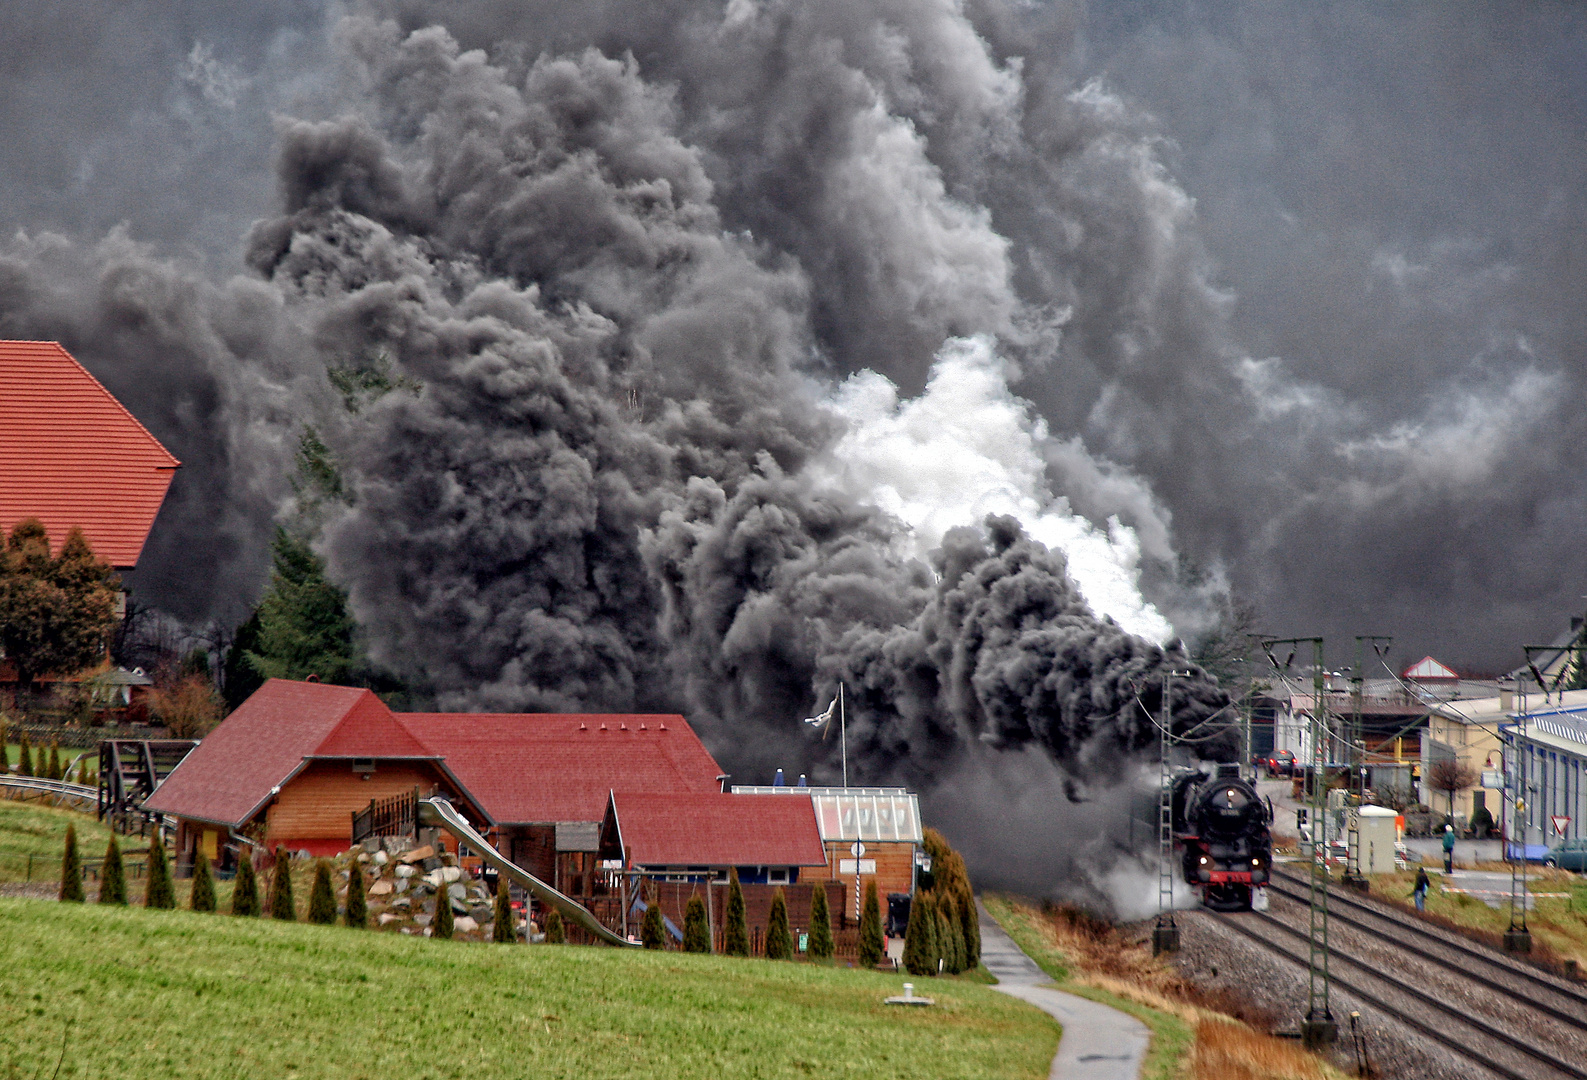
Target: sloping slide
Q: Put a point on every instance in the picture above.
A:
(440, 814)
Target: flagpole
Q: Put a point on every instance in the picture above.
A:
(843, 736)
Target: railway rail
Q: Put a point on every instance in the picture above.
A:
(55, 791)
(1506, 976)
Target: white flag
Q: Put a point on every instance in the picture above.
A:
(824, 718)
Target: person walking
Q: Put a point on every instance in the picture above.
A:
(1422, 885)
(1449, 849)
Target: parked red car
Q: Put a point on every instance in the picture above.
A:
(1281, 763)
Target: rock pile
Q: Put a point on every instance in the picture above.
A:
(404, 882)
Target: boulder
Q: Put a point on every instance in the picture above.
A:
(481, 913)
(463, 924)
(371, 845)
(380, 888)
(458, 907)
(381, 858)
(386, 918)
(402, 903)
(419, 855)
(431, 863)
(423, 920)
(406, 872)
(450, 874)
(456, 892)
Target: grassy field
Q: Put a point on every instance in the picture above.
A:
(1193, 1034)
(33, 829)
(140, 995)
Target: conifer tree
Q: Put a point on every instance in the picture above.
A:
(696, 931)
(502, 928)
(304, 625)
(970, 927)
(245, 889)
(281, 905)
(920, 938)
(25, 762)
(71, 870)
(322, 898)
(779, 943)
(652, 932)
(735, 937)
(555, 935)
(52, 771)
(820, 924)
(56, 613)
(950, 936)
(871, 928)
(113, 876)
(357, 900)
(202, 895)
(158, 891)
(444, 924)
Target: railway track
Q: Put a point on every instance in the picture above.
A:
(1477, 1040)
(1549, 995)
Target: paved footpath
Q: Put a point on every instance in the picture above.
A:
(1098, 1043)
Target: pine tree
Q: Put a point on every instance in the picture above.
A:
(322, 898)
(920, 938)
(202, 896)
(357, 900)
(113, 876)
(871, 928)
(444, 924)
(503, 929)
(696, 931)
(52, 771)
(281, 905)
(554, 932)
(158, 891)
(820, 924)
(25, 762)
(71, 870)
(735, 937)
(652, 932)
(245, 889)
(304, 626)
(779, 944)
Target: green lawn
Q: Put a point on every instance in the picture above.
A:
(140, 995)
(34, 829)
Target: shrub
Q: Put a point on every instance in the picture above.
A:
(502, 928)
(554, 932)
(281, 905)
(871, 928)
(25, 761)
(158, 892)
(52, 771)
(652, 932)
(113, 876)
(443, 925)
(696, 931)
(820, 924)
(322, 898)
(71, 870)
(357, 900)
(245, 889)
(735, 935)
(950, 939)
(920, 938)
(779, 946)
(202, 895)
(969, 927)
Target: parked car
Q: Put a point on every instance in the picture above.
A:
(1281, 763)
(1569, 855)
(1538, 853)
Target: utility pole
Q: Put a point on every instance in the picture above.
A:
(1318, 1029)
(1518, 938)
(1165, 935)
(1356, 756)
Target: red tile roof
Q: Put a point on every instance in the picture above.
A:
(544, 767)
(71, 454)
(232, 773)
(718, 830)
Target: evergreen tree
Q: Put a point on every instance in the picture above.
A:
(25, 762)
(969, 927)
(820, 924)
(696, 931)
(158, 891)
(871, 928)
(920, 938)
(71, 869)
(950, 939)
(357, 900)
(779, 944)
(652, 932)
(444, 924)
(281, 905)
(554, 932)
(245, 889)
(113, 876)
(322, 898)
(56, 614)
(238, 678)
(52, 771)
(202, 895)
(304, 627)
(503, 929)
(735, 936)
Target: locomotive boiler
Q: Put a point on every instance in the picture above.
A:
(1220, 828)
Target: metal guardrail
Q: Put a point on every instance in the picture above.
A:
(58, 789)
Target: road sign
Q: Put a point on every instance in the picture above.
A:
(1560, 821)
(857, 849)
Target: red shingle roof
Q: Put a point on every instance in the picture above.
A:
(718, 830)
(233, 771)
(544, 767)
(71, 454)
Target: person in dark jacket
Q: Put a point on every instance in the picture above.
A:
(1422, 885)
(1449, 849)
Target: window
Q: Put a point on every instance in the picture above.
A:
(777, 875)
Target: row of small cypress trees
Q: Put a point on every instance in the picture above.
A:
(779, 940)
(44, 767)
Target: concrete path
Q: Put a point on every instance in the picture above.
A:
(1098, 1043)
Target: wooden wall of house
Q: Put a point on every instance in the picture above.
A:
(534, 847)
(895, 871)
(318, 803)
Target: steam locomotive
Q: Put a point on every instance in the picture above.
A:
(1220, 827)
